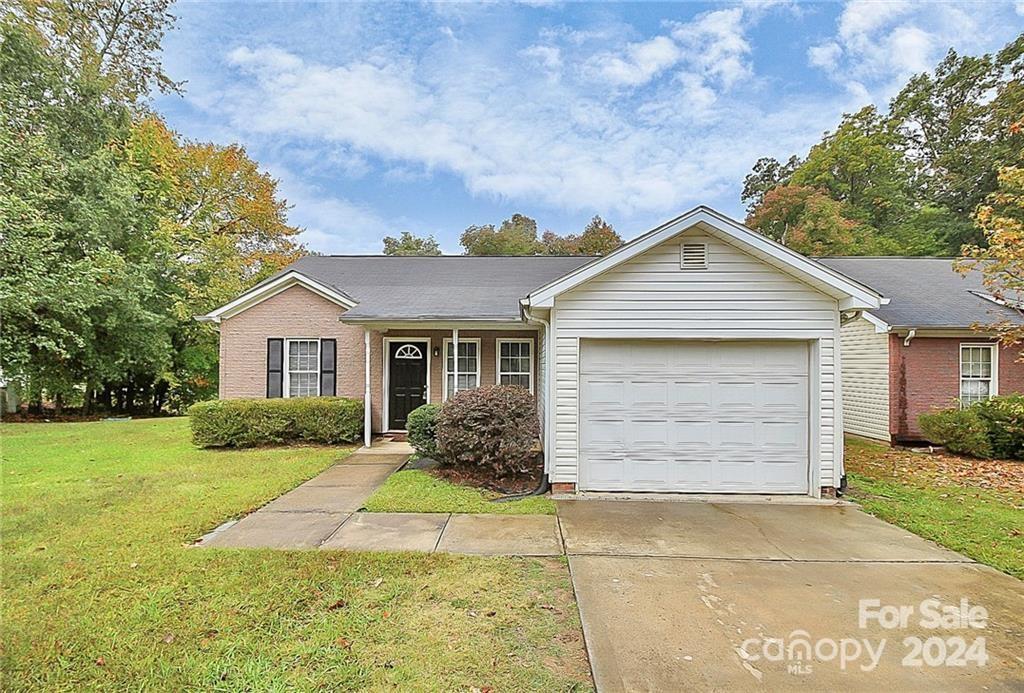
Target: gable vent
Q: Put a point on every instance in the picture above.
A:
(693, 256)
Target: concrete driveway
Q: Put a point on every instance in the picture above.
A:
(678, 596)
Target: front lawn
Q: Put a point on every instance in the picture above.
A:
(415, 491)
(971, 506)
(100, 588)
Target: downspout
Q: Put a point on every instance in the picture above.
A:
(545, 483)
(910, 336)
(367, 432)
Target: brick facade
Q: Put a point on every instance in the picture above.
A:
(926, 376)
(297, 312)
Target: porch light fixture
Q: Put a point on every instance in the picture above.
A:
(437, 352)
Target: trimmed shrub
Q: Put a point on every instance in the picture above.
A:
(960, 430)
(421, 424)
(1004, 421)
(244, 423)
(493, 428)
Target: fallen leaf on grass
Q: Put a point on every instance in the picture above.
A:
(169, 638)
(378, 582)
(100, 662)
(340, 604)
(343, 643)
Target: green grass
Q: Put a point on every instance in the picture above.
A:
(415, 491)
(983, 524)
(100, 589)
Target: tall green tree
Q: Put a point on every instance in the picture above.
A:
(516, 235)
(82, 270)
(767, 173)
(409, 244)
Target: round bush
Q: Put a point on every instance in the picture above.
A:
(421, 426)
(960, 430)
(493, 428)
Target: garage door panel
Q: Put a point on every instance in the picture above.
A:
(734, 395)
(601, 391)
(722, 417)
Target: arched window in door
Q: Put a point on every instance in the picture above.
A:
(408, 351)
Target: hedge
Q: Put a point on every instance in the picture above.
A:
(493, 428)
(421, 424)
(247, 422)
(993, 428)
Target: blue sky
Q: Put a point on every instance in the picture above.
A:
(380, 118)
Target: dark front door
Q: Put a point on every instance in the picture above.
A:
(407, 380)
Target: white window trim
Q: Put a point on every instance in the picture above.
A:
(993, 388)
(444, 360)
(497, 359)
(385, 384)
(286, 384)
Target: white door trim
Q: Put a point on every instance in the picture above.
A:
(385, 394)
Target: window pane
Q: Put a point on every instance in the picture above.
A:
(522, 381)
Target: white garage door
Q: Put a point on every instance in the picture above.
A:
(723, 417)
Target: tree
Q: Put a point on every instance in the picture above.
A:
(82, 268)
(516, 236)
(115, 41)
(1001, 261)
(766, 174)
(861, 165)
(807, 220)
(598, 238)
(227, 229)
(408, 244)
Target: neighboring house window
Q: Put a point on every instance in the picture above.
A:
(303, 368)
(515, 362)
(468, 365)
(977, 373)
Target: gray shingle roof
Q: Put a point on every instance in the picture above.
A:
(924, 292)
(449, 287)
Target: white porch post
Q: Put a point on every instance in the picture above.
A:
(367, 432)
(455, 355)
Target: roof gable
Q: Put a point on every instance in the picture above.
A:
(849, 293)
(283, 282)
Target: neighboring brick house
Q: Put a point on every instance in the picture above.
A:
(924, 349)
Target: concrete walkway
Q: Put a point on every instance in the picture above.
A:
(305, 516)
(324, 513)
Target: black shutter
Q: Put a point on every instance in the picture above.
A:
(328, 347)
(275, 366)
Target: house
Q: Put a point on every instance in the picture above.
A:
(919, 351)
(699, 357)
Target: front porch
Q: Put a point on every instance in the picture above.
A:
(407, 365)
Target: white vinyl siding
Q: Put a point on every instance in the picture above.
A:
(737, 297)
(865, 373)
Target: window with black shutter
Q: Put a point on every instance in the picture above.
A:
(328, 359)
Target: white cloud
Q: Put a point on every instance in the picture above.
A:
(716, 46)
(555, 143)
(548, 56)
(878, 45)
(825, 55)
(637, 64)
(330, 224)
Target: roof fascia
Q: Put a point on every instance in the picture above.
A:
(262, 292)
